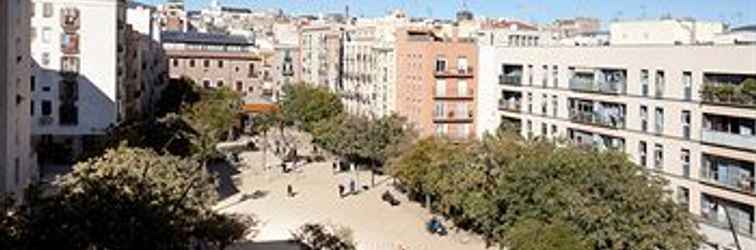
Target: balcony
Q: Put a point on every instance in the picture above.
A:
(729, 90)
(728, 173)
(599, 81)
(468, 95)
(511, 105)
(729, 131)
(514, 80)
(714, 211)
(453, 117)
(610, 115)
(596, 141)
(455, 73)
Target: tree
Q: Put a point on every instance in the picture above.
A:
(306, 106)
(211, 119)
(319, 237)
(177, 94)
(126, 199)
(537, 235)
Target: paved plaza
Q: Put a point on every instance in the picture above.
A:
(376, 224)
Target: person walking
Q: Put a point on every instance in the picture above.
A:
(352, 188)
(290, 190)
(341, 191)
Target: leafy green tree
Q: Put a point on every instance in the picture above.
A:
(211, 119)
(537, 235)
(126, 199)
(306, 106)
(320, 237)
(177, 94)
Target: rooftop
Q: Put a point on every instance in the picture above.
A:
(751, 28)
(204, 38)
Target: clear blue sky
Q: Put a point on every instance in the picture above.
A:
(734, 12)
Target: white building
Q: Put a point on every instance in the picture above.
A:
(17, 156)
(668, 31)
(79, 47)
(662, 105)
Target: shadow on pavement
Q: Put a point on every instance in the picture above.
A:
(225, 173)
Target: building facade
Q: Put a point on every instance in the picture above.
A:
(436, 83)
(18, 166)
(662, 105)
(79, 49)
(148, 70)
(664, 32)
(215, 60)
(321, 55)
(285, 67)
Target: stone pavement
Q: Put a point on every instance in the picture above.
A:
(376, 225)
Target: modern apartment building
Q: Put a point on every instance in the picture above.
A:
(18, 166)
(436, 83)
(687, 113)
(215, 60)
(80, 86)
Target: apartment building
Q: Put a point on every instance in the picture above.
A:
(565, 28)
(359, 78)
(321, 55)
(173, 16)
(18, 166)
(285, 67)
(436, 83)
(147, 71)
(80, 86)
(215, 60)
(687, 113)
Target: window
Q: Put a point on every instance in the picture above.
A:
(644, 118)
(175, 62)
(32, 107)
(191, 63)
(32, 7)
(439, 111)
(658, 156)
(69, 43)
(220, 64)
(683, 197)
(47, 10)
(251, 71)
(642, 149)
(46, 34)
(555, 76)
(219, 84)
(644, 82)
(659, 120)
(206, 84)
(687, 85)
(440, 64)
(239, 86)
(544, 104)
(530, 102)
(462, 88)
(530, 129)
(685, 159)
(545, 75)
(33, 83)
(46, 107)
(33, 34)
(553, 130)
(530, 75)
(462, 65)
(659, 83)
(440, 88)
(206, 63)
(554, 105)
(544, 129)
(686, 124)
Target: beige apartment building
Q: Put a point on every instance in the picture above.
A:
(215, 60)
(436, 83)
(18, 166)
(683, 112)
(321, 55)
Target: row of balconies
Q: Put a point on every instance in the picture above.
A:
(727, 214)
(466, 72)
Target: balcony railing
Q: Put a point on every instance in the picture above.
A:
(720, 220)
(512, 105)
(469, 94)
(458, 72)
(729, 139)
(510, 80)
(740, 183)
(596, 119)
(453, 116)
(589, 85)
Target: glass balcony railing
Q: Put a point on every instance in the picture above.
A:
(514, 80)
(512, 105)
(719, 219)
(741, 183)
(590, 85)
(596, 118)
(729, 139)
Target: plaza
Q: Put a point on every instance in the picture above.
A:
(375, 224)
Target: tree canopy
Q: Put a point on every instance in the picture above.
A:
(492, 185)
(126, 199)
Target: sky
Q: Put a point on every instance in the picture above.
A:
(733, 12)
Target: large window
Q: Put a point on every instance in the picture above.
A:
(644, 118)
(644, 79)
(658, 156)
(462, 64)
(659, 120)
(440, 88)
(462, 88)
(685, 120)
(642, 153)
(46, 107)
(687, 85)
(659, 83)
(440, 64)
(47, 10)
(555, 76)
(685, 159)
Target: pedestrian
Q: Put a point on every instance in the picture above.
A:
(290, 190)
(341, 191)
(334, 167)
(352, 187)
